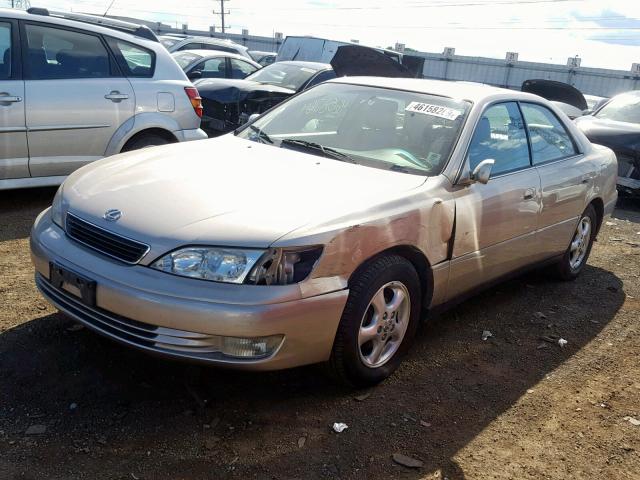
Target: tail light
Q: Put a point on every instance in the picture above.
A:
(195, 99)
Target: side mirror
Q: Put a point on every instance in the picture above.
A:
(195, 75)
(253, 117)
(482, 172)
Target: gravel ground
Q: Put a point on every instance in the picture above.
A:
(74, 405)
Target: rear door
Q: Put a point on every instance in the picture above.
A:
(76, 97)
(14, 156)
(239, 69)
(565, 177)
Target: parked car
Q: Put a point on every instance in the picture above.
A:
(263, 58)
(323, 50)
(76, 88)
(229, 103)
(616, 125)
(198, 64)
(177, 43)
(321, 231)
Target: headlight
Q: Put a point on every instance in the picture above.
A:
(283, 266)
(230, 265)
(57, 215)
(276, 266)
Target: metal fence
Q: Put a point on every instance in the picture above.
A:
(502, 73)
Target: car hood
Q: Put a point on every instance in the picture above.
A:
(225, 191)
(556, 91)
(619, 136)
(357, 61)
(232, 90)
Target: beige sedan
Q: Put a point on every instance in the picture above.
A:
(327, 227)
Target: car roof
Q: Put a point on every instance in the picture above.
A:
(76, 23)
(473, 92)
(314, 65)
(216, 53)
(213, 41)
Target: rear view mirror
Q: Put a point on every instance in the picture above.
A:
(482, 172)
(253, 117)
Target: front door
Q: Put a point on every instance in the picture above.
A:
(14, 155)
(496, 222)
(76, 98)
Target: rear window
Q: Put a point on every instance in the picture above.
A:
(134, 61)
(185, 59)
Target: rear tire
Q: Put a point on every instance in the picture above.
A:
(144, 141)
(576, 256)
(379, 322)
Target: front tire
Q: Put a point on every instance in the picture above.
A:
(379, 322)
(575, 258)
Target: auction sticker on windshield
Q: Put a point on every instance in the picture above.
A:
(433, 110)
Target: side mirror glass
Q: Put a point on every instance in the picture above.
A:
(482, 172)
(195, 75)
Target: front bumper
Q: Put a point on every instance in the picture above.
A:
(188, 135)
(177, 317)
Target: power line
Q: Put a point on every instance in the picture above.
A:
(431, 5)
(222, 13)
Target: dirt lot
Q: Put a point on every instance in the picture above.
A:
(513, 406)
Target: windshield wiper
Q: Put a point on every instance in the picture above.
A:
(326, 151)
(261, 134)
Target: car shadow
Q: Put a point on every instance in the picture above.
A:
(110, 411)
(19, 208)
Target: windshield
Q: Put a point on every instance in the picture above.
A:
(376, 127)
(185, 59)
(623, 108)
(168, 42)
(283, 75)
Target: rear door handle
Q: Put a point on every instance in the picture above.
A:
(529, 193)
(9, 99)
(116, 96)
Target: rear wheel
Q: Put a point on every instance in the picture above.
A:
(575, 258)
(379, 322)
(143, 141)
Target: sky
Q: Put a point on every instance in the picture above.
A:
(604, 33)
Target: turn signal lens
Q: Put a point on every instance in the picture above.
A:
(195, 99)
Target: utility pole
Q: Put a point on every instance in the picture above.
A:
(222, 13)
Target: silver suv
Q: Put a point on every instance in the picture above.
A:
(76, 88)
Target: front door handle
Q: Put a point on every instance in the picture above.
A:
(116, 96)
(9, 99)
(529, 193)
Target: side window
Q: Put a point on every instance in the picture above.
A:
(500, 135)
(134, 61)
(322, 77)
(240, 69)
(549, 138)
(5, 50)
(213, 68)
(56, 53)
(220, 48)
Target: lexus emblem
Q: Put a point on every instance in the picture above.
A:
(112, 215)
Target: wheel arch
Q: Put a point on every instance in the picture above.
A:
(160, 132)
(598, 205)
(419, 261)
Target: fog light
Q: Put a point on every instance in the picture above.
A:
(250, 347)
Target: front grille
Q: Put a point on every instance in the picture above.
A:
(103, 241)
(149, 337)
